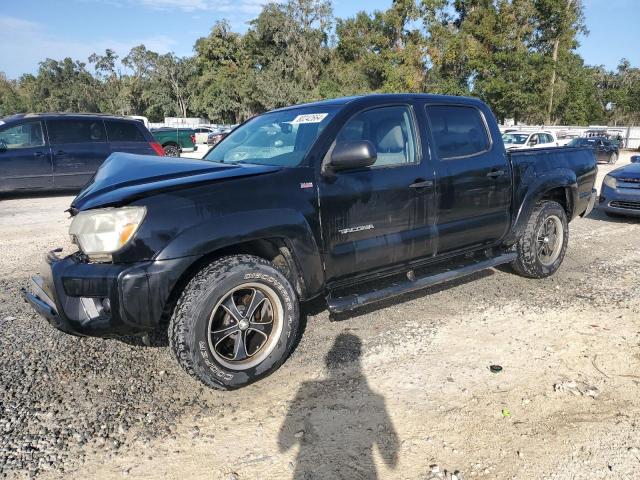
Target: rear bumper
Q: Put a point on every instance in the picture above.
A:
(613, 200)
(103, 300)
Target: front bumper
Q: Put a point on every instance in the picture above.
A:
(621, 201)
(104, 300)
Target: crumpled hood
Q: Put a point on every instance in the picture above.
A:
(124, 177)
(628, 171)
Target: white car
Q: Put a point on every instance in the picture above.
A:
(202, 133)
(521, 140)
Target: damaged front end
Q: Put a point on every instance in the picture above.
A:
(103, 299)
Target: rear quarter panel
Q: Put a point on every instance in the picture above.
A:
(539, 170)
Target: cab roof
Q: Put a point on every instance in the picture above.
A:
(52, 115)
(386, 97)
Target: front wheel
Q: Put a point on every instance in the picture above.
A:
(542, 246)
(236, 322)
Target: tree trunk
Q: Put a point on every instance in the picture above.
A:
(556, 47)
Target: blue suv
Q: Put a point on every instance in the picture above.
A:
(62, 151)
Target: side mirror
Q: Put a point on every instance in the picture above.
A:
(635, 159)
(352, 154)
(3, 146)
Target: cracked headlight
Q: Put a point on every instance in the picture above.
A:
(609, 181)
(101, 232)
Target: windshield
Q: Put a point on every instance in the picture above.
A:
(277, 138)
(515, 138)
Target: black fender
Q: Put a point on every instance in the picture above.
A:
(225, 231)
(536, 190)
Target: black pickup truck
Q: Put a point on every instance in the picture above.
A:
(355, 199)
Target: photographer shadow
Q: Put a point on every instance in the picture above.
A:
(339, 421)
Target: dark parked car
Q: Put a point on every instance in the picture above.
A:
(63, 150)
(605, 149)
(322, 199)
(620, 192)
(215, 138)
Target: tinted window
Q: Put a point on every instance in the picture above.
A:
(123, 132)
(23, 136)
(391, 131)
(75, 131)
(458, 131)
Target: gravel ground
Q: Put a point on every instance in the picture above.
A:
(394, 389)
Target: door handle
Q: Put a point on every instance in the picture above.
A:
(419, 183)
(61, 152)
(39, 154)
(495, 173)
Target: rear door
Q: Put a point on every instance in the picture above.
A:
(79, 146)
(382, 215)
(474, 178)
(127, 136)
(25, 157)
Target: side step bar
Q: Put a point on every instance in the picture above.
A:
(351, 302)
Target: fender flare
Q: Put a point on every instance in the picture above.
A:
(228, 230)
(559, 178)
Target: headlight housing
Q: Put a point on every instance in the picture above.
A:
(101, 232)
(610, 181)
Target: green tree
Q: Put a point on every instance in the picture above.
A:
(11, 98)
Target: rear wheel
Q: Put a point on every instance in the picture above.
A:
(613, 158)
(171, 150)
(543, 244)
(236, 322)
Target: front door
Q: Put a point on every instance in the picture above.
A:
(79, 147)
(474, 179)
(381, 215)
(25, 158)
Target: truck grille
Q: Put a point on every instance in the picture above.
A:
(621, 204)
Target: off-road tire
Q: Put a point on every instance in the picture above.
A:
(528, 263)
(171, 150)
(189, 325)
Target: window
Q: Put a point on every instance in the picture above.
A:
(547, 138)
(391, 131)
(458, 131)
(75, 131)
(123, 132)
(25, 135)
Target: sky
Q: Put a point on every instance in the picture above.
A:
(32, 30)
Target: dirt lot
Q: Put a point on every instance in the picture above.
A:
(393, 389)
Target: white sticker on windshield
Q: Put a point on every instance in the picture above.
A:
(309, 118)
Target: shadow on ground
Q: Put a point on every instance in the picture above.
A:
(337, 422)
